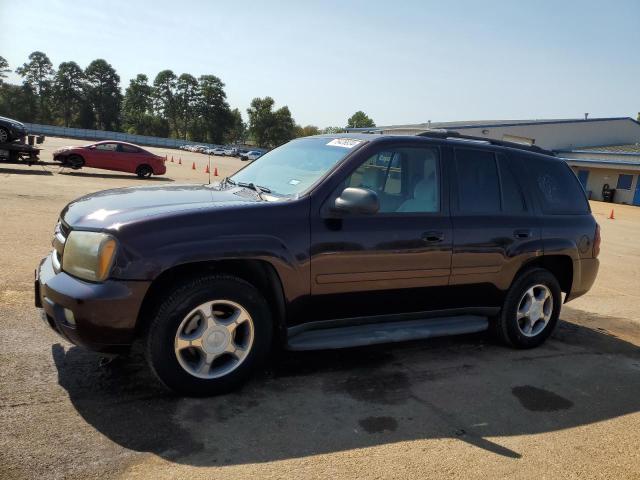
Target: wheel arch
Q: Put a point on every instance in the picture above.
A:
(260, 273)
(560, 266)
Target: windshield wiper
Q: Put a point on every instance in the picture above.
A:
(252, 186)
(228, 180)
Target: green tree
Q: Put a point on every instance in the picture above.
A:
(270, 128)
(137, 106)
(237, 131)
(360, 120)
(67, 91)
(307, 131)
(187, 101)
(215, 117)
(19, 102)
(103, 94)
(164, 98)
(4, 69)
(332, 130)
(38, 74)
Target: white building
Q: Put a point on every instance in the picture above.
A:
(602, 151)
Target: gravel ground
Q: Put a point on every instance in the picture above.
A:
(459, 407)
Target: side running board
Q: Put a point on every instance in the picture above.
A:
(386, 332)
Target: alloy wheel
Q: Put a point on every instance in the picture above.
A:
(534, 310)
(214, 339)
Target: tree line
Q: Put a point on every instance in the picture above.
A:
(170, 106)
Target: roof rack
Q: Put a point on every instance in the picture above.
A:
(453, 135)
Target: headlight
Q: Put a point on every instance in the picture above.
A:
(89, 255)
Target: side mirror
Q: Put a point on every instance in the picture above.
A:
(357, 200)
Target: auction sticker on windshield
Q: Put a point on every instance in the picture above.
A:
(344, 142)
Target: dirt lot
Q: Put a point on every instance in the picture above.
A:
(457, 408)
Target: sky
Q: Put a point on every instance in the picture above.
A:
(399, 61)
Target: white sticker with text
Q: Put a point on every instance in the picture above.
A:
(344, 142)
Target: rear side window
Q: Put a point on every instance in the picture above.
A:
(513, 201)
(557, 186)
(478, 182)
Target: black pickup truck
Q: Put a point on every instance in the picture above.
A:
(325, 242)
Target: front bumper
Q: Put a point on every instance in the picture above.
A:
(105, 314)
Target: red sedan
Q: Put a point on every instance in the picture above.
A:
(111, 155)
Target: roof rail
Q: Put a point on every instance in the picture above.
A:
(453, 135)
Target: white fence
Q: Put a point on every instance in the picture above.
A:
(55, 131)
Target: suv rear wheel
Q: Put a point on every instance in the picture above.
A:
(207, 337)
(531, 309)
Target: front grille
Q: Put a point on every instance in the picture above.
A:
(60, 235)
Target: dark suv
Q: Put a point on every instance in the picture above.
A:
(326, 242)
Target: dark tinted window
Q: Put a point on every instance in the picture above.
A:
(624, 182)
(478, 186)
(512, 197)
(559, 190)
(129, 149)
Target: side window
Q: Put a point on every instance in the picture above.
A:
(109, 147)
(129, 149)
(557, 186)
(407, 180)
(624, 182)
(512, 197)
(478, 184)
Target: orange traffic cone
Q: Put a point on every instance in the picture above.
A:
(171, 158)
(611, 215)
(206, 170)
(193, 167)
(180, 161)
(215, 172)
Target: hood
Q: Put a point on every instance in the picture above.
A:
(11, 120)
(110, 209)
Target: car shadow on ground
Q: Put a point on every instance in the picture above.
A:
(33, 170)
(310, 403)
(127, 176)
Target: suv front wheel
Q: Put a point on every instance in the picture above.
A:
(531, 309)
(208, 335)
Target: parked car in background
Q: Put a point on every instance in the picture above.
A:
(230, 151)
(112, 155)
(325, 242)
(217, 151)
(251, 155)
(11, 130)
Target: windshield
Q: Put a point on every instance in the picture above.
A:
(295, 166)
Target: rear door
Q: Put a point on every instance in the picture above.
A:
(129, 157)
(495, 229)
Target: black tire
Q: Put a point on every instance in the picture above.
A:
(161, 334)
(4, 135)
(75, 162)
(144, 171)
(506, 325)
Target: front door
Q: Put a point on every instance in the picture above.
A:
(103, 155)
(395, 261)
(636, 195)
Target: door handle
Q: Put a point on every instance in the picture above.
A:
(433, 237)
(522, 233)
